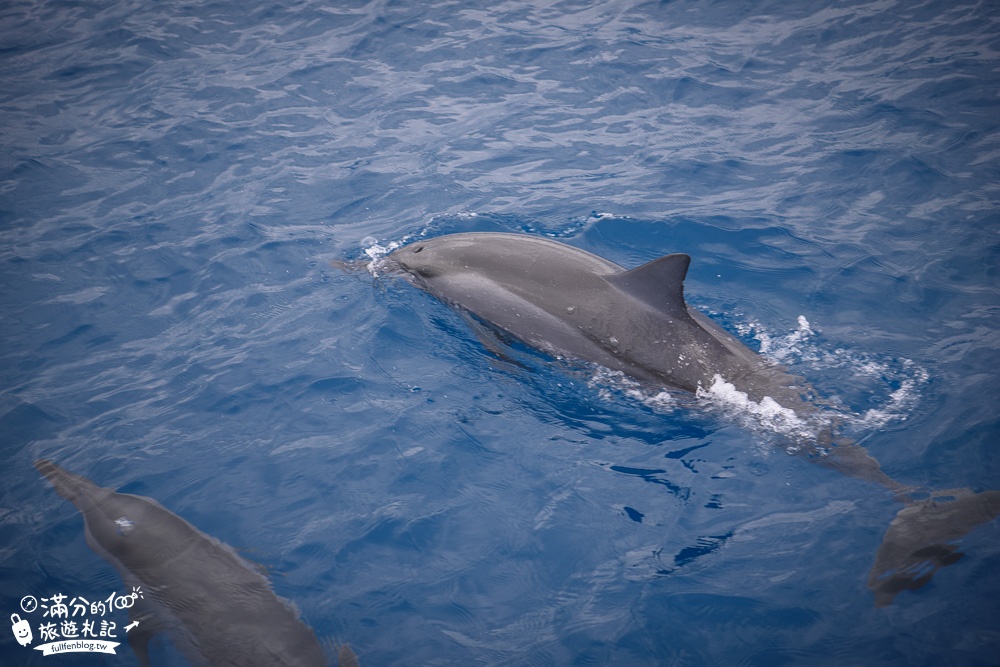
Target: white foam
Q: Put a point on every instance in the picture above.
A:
(767, 412)
(780, 349)
(377, 252)
(607, 382)
(855, 372)
(900, 402)
(848, 376)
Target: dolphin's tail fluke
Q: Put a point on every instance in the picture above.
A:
(921, 540)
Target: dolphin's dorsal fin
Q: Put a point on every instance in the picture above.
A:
(660, 283)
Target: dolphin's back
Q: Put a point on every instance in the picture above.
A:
(219, 609)
(567, 301)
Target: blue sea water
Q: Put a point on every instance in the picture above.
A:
(178, 180)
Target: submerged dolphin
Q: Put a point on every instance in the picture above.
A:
(569, 302)
(218, 609)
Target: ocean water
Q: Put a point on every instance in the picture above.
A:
(178, 182)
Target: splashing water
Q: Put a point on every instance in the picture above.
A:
(607, 383)
(377, 252)
(894, 383)
(766, 412)
(779, 349)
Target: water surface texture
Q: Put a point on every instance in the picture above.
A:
(177, 180)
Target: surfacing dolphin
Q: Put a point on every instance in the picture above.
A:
(216, 607)
(569, 302)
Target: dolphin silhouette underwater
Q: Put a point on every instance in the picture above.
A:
(217, 608)
(567, 302)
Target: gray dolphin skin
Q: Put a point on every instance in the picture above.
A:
(216, 608)
(568, 302)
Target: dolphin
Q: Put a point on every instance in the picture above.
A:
(567, 302)
(217, 608)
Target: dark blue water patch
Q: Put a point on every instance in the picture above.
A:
(25, 423)
(681, 453)
(653, 477)
(714, 247)
(634, 514)
(722, 615)
(704, 546)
